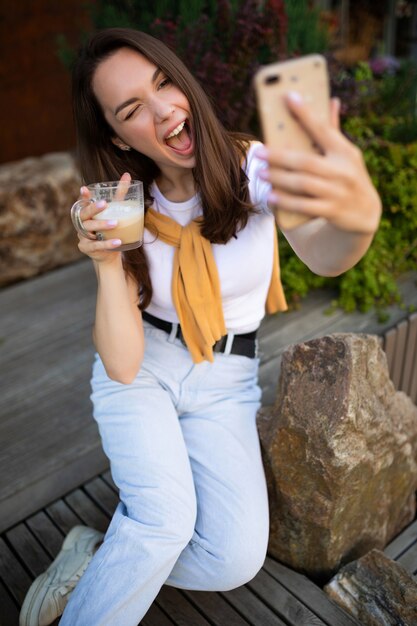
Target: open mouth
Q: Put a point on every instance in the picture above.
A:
(180, 139)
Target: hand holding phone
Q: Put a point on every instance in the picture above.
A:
(307, 76)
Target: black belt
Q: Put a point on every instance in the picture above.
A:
(245, 344)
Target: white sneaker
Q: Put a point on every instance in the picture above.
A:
(49, 593)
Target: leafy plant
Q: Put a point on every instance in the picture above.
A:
(306, 32)
(387, 95)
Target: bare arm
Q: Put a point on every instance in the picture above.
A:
(326, 250)
(333, 188)
(118, 330)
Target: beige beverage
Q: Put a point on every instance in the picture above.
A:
(124, 203)
(130, 218)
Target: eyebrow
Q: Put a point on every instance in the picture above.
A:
(132, 100)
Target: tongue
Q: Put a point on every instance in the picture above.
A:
(182, 141)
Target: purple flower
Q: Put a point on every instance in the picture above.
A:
(384, 65)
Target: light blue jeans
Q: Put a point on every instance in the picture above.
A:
(184, 452)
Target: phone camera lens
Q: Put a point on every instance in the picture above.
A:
(273, 79)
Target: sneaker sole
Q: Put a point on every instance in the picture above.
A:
(33, 600)
(32, 604)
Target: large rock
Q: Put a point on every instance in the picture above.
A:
(36, 233)
(376, 590)
(340, 449)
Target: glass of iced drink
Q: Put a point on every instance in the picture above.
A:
(124, 203)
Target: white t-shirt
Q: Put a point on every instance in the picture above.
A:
(244, 264)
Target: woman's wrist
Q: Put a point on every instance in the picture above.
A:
(110, 266)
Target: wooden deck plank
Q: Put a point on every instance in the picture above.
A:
(64, 518)
(402, 542)
(9, 612)
(282, 602)
(213, 605)
(46, 533)
(102, 495)
(12, 573)
(156, 617)
(48, 487)
(87, 510)
(107, 477)
(47, 351)
(180, 610)
(408, 560)
(389, 347)
(411, 352)
(310, 594)
(413, 382)
(251, 607)
(398, 361)
(30, 551)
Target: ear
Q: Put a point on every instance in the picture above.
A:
(119, 143)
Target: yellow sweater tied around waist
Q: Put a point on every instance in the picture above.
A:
(196, 286)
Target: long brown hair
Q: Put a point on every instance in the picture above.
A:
(218, 174)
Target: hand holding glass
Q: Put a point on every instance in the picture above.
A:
(125, 204)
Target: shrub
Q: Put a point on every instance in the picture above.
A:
(305, 32)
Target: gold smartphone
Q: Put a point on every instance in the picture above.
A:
(308, 76)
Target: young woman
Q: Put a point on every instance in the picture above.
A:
(174, 383)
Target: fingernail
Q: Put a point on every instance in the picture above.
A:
(273, 197)
(101, 204)
(112, 223)
(116, 242)
(261, 152)
(264, 174)
(294, 96)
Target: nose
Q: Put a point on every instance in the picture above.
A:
(162, 109)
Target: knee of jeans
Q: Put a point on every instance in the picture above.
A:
(180, 524)
(172, 515)
(238, 563)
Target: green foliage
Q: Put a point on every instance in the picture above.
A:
(392, 167)
(398, 91)
(142, 14)
(387, 101)
(306, 34)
